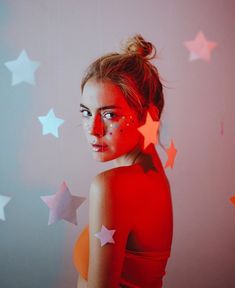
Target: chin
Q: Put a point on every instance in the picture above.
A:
(97, 159)
(101, 158)
(104, 157)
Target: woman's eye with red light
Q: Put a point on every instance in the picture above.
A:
(110, 115)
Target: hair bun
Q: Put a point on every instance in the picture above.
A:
(136, 45)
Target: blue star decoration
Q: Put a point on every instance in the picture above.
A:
(22, 69)
(3, 202)
(63, 205)
(50, 123)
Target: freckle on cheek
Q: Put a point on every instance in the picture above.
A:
(116, 125)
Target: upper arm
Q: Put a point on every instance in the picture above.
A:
(82, 283)
(108, 207)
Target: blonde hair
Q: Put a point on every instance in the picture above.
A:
(132, 71)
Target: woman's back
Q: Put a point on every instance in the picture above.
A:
(151, 208)
(149, 241)
(146, 201)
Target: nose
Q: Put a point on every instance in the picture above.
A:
(97, 127)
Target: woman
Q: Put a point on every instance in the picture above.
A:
(132, 201)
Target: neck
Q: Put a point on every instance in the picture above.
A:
(148, 158)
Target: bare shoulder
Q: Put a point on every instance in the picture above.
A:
(115, 187)
(115, 179)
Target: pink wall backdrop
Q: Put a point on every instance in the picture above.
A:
(64, 36)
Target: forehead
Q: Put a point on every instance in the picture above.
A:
(102, 93)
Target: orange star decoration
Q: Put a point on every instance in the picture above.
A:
(232, 199)
(171, 153)
(149, 131)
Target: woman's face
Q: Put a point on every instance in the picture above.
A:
(109, 123)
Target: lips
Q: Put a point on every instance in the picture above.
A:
(99, 147)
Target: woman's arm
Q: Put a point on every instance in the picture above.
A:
(82, 283)
(109, 206)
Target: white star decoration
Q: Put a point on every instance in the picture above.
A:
(3, 202)
(22, 69)
(50, 123)
(63, 205)
(105, 235)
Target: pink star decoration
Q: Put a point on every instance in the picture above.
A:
(105, 235)
(63, 205)
(171, 153)
(200, 47)
(149, 131)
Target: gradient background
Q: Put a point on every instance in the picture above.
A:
(65, 36)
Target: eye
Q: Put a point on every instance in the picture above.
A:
(110, 115)
(85, 113)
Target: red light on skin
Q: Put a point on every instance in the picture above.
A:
(105, 115)
(99, 148)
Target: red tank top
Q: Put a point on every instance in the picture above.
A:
(141, 269)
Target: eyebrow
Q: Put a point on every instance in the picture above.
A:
(103, 108)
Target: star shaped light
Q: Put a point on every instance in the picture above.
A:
(3, 202)
(200, 47)
(149, 131)
(105, 235)
(232, 199)
(63, 205)
(50, 123)
(171, 153)
(22, 69)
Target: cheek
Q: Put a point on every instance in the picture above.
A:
(85, 125)
(112, 132)
(85, 129)
(123, 132)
